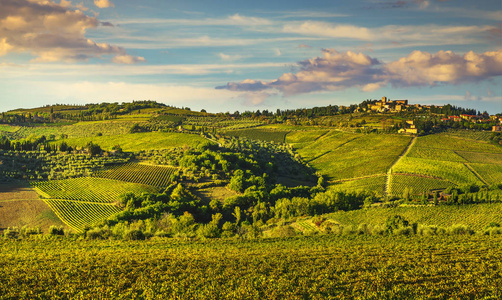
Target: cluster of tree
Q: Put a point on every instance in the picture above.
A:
(496, 138)
(452, 110)
(31, 144)
(88, 112)
(44, 164)
(468, 194)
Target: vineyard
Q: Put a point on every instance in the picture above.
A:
(415, 184)
(78, 215)
(443, 141)
(367, 155)
(158, 176)
(374, 184)
(90, 189)
(224, 123)
(436, 154)
(482, 158)
(454, 172)
(318, 267)
(491, 173)
(277, 136)
(476, 216)
(140, 141)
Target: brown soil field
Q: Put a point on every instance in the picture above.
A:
(20, 205)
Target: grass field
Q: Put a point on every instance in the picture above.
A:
(141, 141)
(319, 267)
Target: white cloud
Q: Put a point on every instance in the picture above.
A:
(229, 57)
(341, 70)
(50, 31)
(66, 71)
(103, 3)
(326, 29)
(232, 20)
(127, 59)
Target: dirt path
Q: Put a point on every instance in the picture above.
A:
(475, 173)
(389, 172)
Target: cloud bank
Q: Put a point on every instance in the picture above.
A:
(341, 70)
(52, 32)
(103, 3)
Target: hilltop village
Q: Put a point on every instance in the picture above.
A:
(387, 105)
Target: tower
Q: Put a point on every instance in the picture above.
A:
(384, 100)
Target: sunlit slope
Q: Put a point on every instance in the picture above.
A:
(141, 141)
(373, 162)
(443, 160)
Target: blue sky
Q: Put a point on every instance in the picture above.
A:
(248, 55)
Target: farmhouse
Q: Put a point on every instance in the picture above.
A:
(410, 128)
(497, 128)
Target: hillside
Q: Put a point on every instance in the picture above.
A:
(95, 163)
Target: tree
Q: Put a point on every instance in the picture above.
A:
(395, 222)
(237, 215)
(93, 149)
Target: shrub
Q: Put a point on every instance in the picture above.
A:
(363, 229)
(56, 230)
(395, 222)
(208, 231)
(459, 229)
(11, 233)
(378, 230)
(98, 233)
(28, 231)
(134, 235)
(229, 229)
(349, 230)
(283, 231)
(408, 230)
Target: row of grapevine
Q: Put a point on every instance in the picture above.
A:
(374, 184)
(436, 154)
(78, 215)
(491, 173)
(442, 141)
(278, 136)
(480, 157)
(415, 184)
(318, 267)
(158, 176)
(90, 189)
(454, 172)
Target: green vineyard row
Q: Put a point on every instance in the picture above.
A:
(90, 189)
(78, 215)
(137, 173)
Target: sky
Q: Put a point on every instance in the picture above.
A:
(249, 55)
